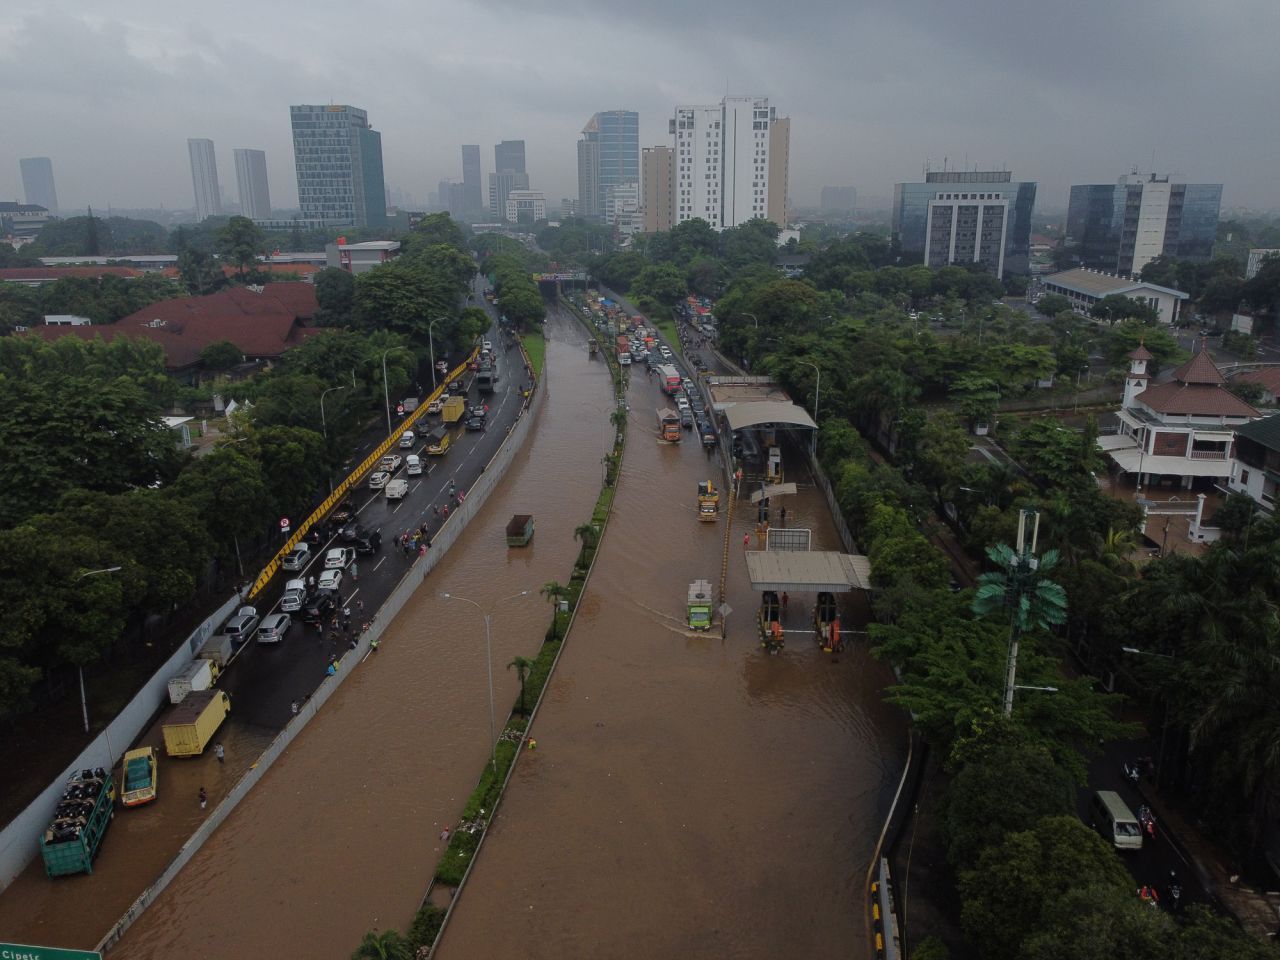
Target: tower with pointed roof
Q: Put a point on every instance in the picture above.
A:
(1136, 380)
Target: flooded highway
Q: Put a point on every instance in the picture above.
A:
(342, 834)
(689, 796)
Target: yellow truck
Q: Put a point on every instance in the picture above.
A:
(438, 442)
(455, 408)
(191, 724)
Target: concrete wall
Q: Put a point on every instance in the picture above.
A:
(18, 845)
(485, 484)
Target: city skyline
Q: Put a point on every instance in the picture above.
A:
(901, 116)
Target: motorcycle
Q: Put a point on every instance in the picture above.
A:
(1132, 771)
(1148, 821)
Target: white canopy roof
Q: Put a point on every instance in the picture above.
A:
(809, 571)
(757, 412)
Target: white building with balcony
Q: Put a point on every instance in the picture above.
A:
(1183, 428)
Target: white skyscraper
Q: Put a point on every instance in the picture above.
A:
(204, 177)
(722, 161)
(251, 179)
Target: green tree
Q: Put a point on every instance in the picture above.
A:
(336, 296)
(522, 666)
(229, 493)
(1055, 456)
(221, 355)
(199, 271)
(240, 242)
(662, 283)
(1115, 307)
(387, 945)
(1014, 886)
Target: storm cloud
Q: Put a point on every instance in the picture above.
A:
(1059, 93)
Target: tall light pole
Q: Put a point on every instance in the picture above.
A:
(488, 654)
(84, 703)
(755, 321)
(386, 394)
(324, 428)
(431, 343)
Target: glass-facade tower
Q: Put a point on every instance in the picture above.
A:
(959, 217)
(608, 156)
(1121, 227)
(339, 162)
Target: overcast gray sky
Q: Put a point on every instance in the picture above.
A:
(1058, 92)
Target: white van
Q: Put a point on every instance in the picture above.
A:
(413, 465)
(396, 489)
(407, 440)
(1111, 817)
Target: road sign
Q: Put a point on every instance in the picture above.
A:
(400, 409)
(20, 951)
(284, 524)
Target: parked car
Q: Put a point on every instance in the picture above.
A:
(352, 532)
(413, 465)
(240, 627)
(487, 345)
(478, 411)
(274, 627)
(435, 406)
(686, 418)
(344, 511)
(378, 479)
(298, 557)
(339, 558)
(295, 595)
(319, 607)
(475, 423)
(407, 440)
(330, 580)
(370, 542)
(390, 463)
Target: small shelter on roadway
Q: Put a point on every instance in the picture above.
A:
(812, 571)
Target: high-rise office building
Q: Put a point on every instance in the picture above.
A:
(251, 180)
(508, 174)
(204, 178)
(339, 162)
(472, 191)
(452, 197)
(723, 162)
(838, 200)
(608, 156)
(1122, 227)
(657, 184)
(779, 169)
(37, 182)
(966, 216)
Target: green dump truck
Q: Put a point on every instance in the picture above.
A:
(82, 816)
(699, 607)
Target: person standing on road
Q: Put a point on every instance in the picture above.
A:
(204, 798)
(293, 708)
(220, 752)
(355, 572)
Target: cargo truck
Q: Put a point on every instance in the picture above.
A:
(699, 607)
(217, 648)
(668, 425)
(82, 816)
(191, 724)
(455, 408)
(485, 380)
(198, 675)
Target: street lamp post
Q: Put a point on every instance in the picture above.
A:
(431, 343)
(488, 653)
(386, 394)
(84, 703)
(755, 321)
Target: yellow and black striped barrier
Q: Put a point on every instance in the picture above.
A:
(342, 489)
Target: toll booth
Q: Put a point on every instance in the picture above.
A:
(789, 567)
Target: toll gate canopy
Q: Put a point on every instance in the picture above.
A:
(808, 572)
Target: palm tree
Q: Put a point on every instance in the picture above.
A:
(588, 533)
(618, 418)
(387, 945)
(522, 666)
(1116, 550)
(554, 591)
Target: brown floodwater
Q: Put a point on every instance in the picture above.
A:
(688, 796)
(341, 835)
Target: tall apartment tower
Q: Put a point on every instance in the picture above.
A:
(251, 180)
(779, 169)
(608, 156)
(338, 157)
(508, 174)
(204, 178)
(472, 192)
(723, 162)
(37, 182)
(1122, 227)
(966, 216)
(657, 179)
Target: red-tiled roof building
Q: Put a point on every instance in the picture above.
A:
(263, 322)
(1183, 427)
(38, 276)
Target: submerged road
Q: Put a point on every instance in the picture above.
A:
(263, 680)
(689, 796)
(341, 835)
